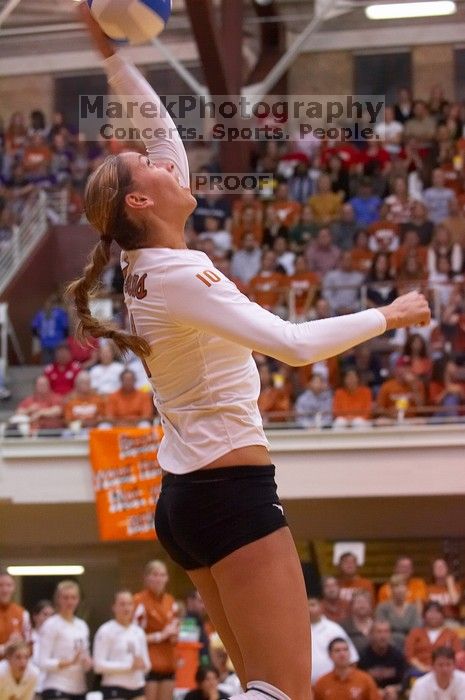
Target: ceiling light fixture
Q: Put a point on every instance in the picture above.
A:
(47, 570)
(408, 10)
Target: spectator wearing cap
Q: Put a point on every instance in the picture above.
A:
(365, 204)
(313, 408)
(403, 394)
(352, 402)
(443, 682)
(128, 405)
(63, 371)
(422, 641)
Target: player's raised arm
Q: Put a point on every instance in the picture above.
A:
(127, 82)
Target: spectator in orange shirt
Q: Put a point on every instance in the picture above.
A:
(345, 682)
(445, 590)
(416, 350)
(349, 580)
(274, 401)
(362, 256)
(326, 205)
(84, 406)
(422, 641)
(333, 606)
(268, 287)
(416, 586)
(129, 406)
(401, 395)
(287, 210)
(352, 402)
(15, 623)
(410, 245)
(248, 222)
(302, 288)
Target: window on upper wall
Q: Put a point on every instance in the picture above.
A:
(459, 74)
(382, 74)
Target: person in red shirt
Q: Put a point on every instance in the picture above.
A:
(42, 410)
(63, 371)
(345, 682)
(422, 641)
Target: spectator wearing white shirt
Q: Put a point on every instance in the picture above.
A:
(18, 676)
(444, 682)
(120, 652)
(105, 376)
(390, 132)
(42, 610)
(437, 198)
(323, 632)
(246, 262)
(64, 648)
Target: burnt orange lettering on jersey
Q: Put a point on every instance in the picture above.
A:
(134, 286)
(208, 276)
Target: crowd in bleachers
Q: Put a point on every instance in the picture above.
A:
(387, 638)
(346, 226)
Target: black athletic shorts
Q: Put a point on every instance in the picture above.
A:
(203, 516)
(116, 692)
(55, 694)
(159, 677)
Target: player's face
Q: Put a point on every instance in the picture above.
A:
(160, 183)
(68, 600)
(123, 608)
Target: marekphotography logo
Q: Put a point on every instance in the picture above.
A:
(232, 183)
(240, 118)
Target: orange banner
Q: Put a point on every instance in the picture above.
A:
(127, 480)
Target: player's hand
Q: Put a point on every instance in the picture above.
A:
(101, 41)
(407, 310)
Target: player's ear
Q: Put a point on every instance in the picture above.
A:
(137, 200)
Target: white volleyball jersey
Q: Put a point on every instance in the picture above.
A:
(202, 331)
(115, 647)
(59, 640)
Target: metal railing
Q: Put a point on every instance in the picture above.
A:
(25, 237)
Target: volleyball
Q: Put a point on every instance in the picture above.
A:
(135, 21)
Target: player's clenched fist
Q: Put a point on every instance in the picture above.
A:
(410, 309)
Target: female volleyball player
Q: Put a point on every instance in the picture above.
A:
(218, 515)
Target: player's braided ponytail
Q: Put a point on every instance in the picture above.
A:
(104, 206)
